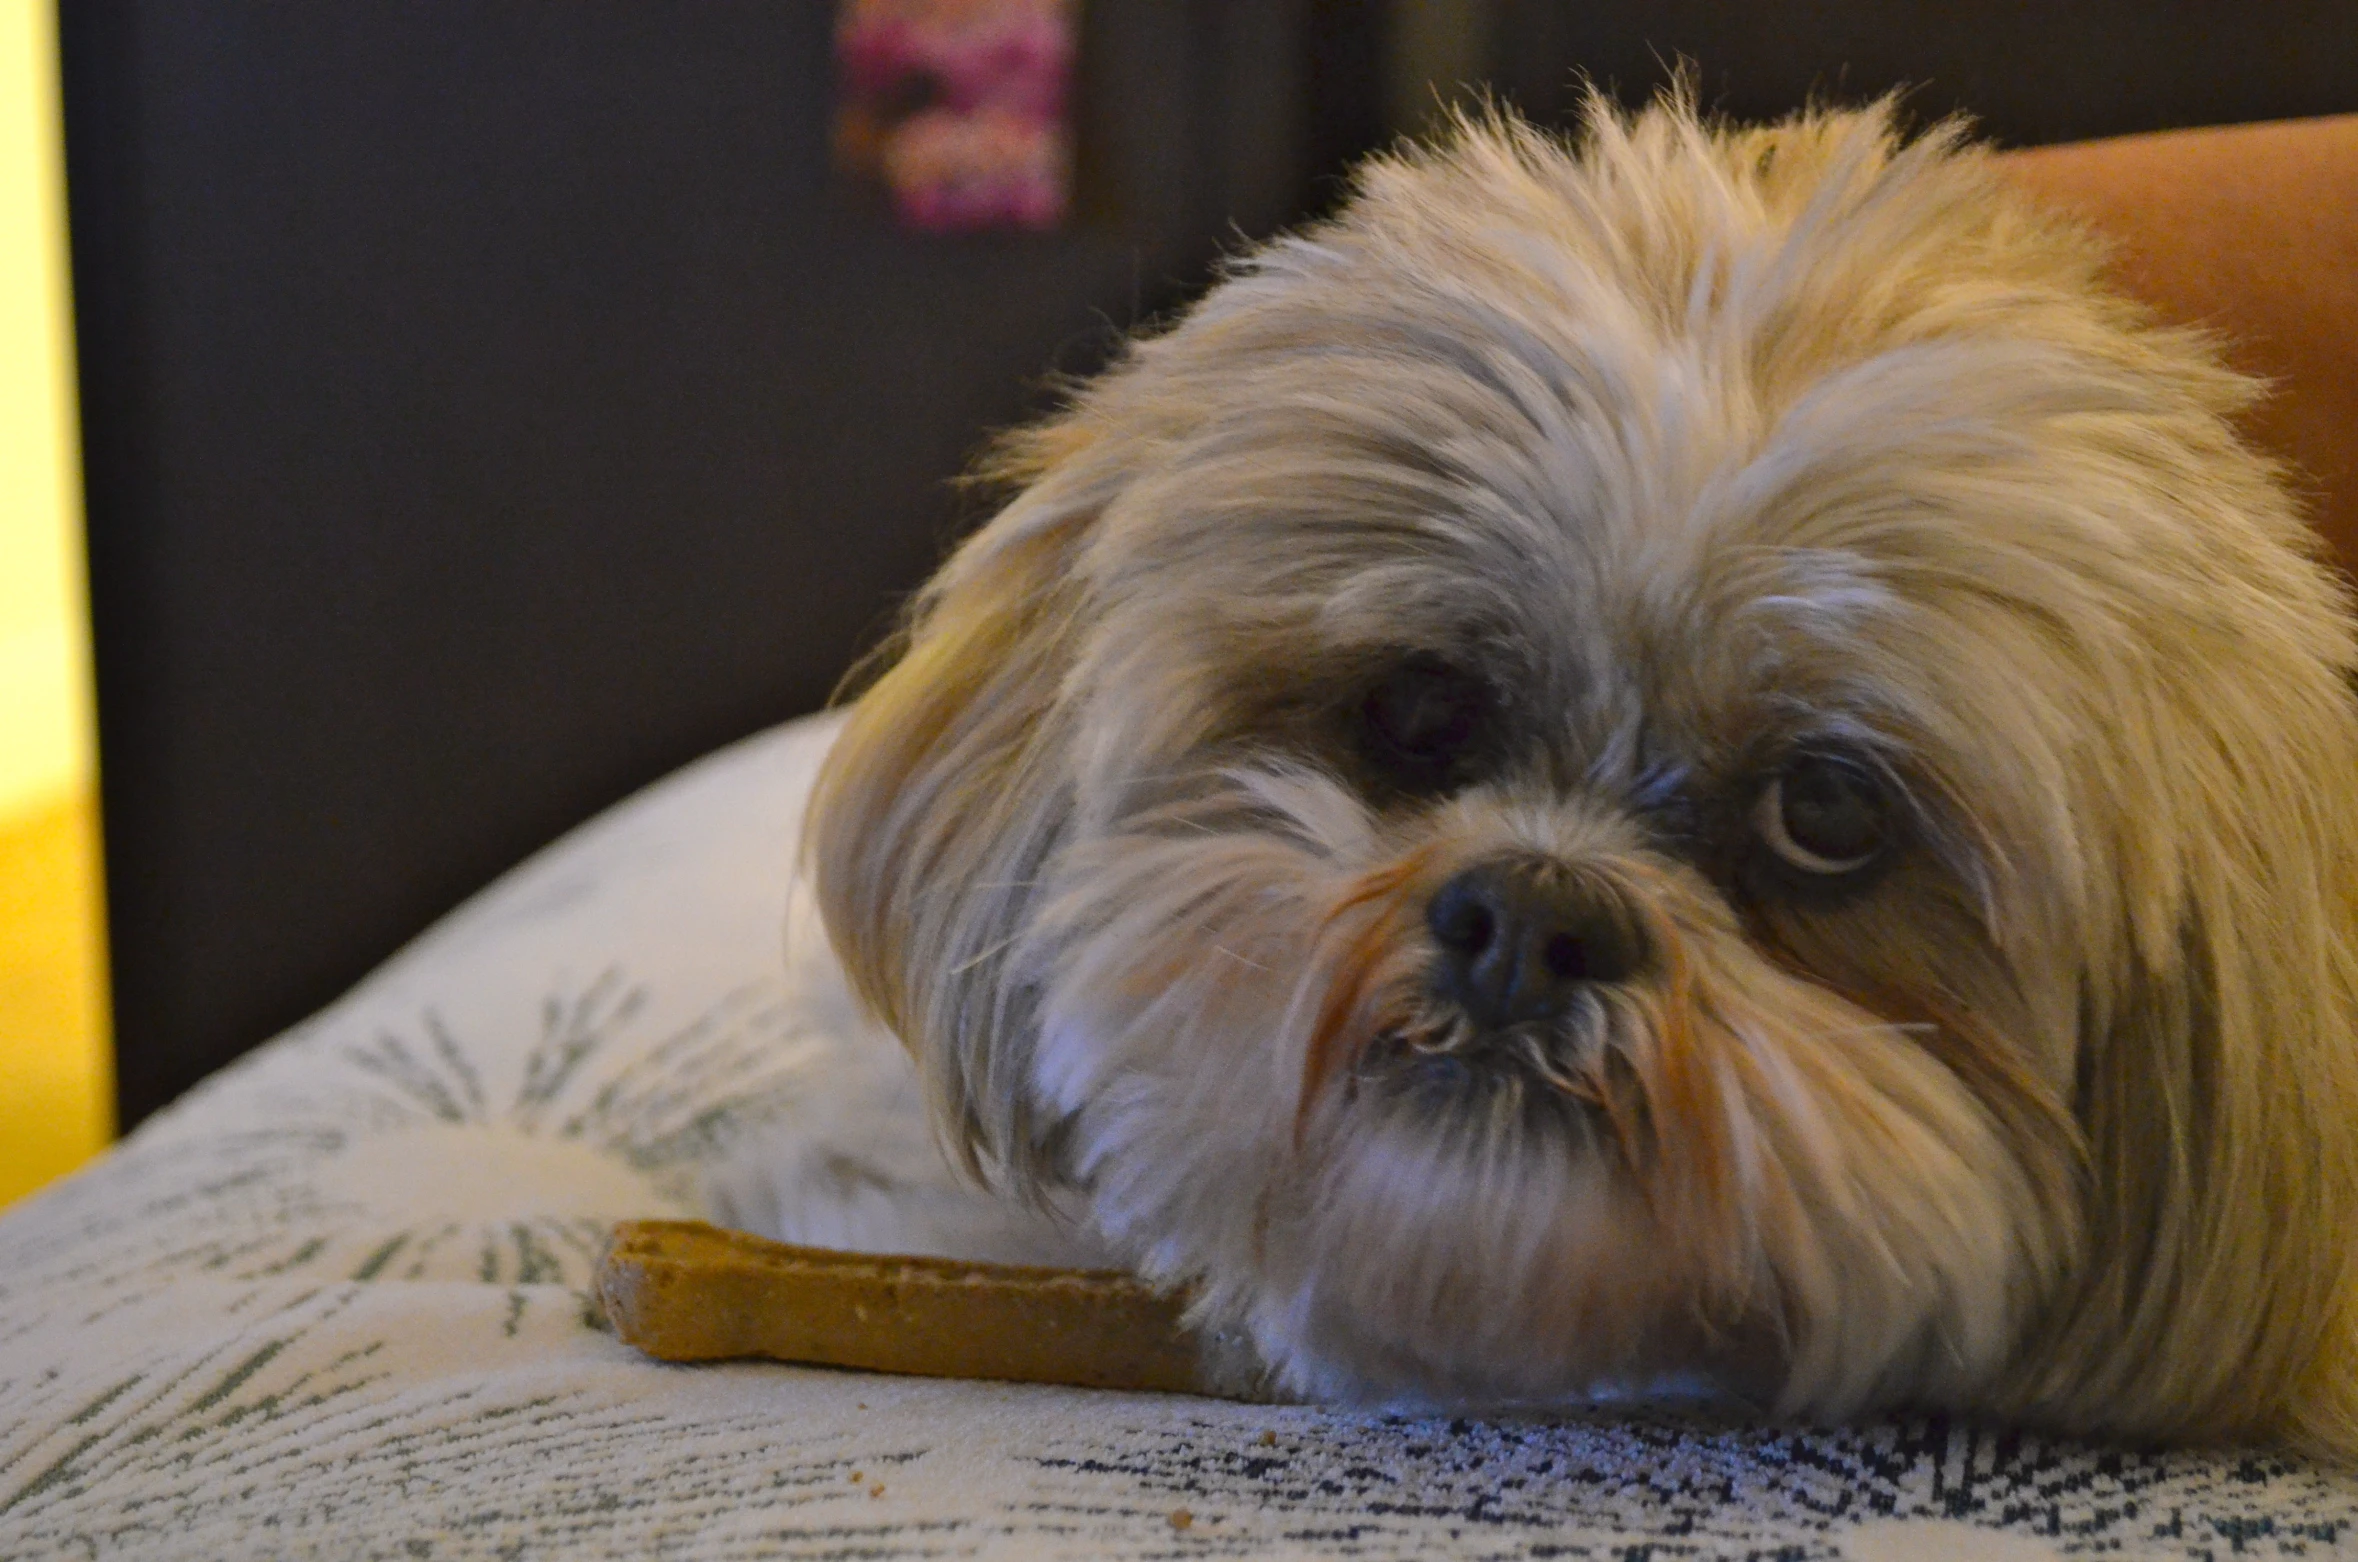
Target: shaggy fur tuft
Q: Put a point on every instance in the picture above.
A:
(1711, 485)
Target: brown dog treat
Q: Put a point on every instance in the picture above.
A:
(684, 1291)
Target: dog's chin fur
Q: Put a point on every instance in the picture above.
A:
(1702, 447)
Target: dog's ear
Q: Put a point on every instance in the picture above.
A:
(942, 797)
(2219, 1085)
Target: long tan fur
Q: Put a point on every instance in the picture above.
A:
(1701, 446)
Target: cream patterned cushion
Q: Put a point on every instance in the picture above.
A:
(332, 1305)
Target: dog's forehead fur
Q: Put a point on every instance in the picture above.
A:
(1770, 415)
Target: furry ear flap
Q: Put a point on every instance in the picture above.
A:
(937, 806)
(2220, 1103)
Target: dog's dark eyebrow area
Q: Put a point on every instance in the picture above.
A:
(1663, 796)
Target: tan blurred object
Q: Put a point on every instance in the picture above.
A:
(2251, 230)
(684, 1291)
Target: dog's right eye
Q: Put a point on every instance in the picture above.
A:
(1824, 815)
(1423, 724)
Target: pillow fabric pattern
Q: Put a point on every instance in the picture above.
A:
(334, 1304)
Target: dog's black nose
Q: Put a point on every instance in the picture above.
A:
(1520, 936)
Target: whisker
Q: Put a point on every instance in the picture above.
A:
(984, 955)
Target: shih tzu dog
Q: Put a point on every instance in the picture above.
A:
(1687, 755)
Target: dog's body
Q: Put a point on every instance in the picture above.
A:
(1688, 755)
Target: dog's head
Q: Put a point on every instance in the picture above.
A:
(1685, 753)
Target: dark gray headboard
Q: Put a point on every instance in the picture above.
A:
(491, 404)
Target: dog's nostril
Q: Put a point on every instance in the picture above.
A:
(1463, 916)
(1466, 927)
(1518, 937)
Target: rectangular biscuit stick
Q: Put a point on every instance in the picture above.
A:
(684, 1291)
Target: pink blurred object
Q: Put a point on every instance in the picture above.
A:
(958, 108)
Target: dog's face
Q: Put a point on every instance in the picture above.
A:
(1689, 757)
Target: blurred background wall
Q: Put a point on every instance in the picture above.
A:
(55, 1096)
(491, 405)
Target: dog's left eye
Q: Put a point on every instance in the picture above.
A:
(1423, 723)
(1823, 814)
